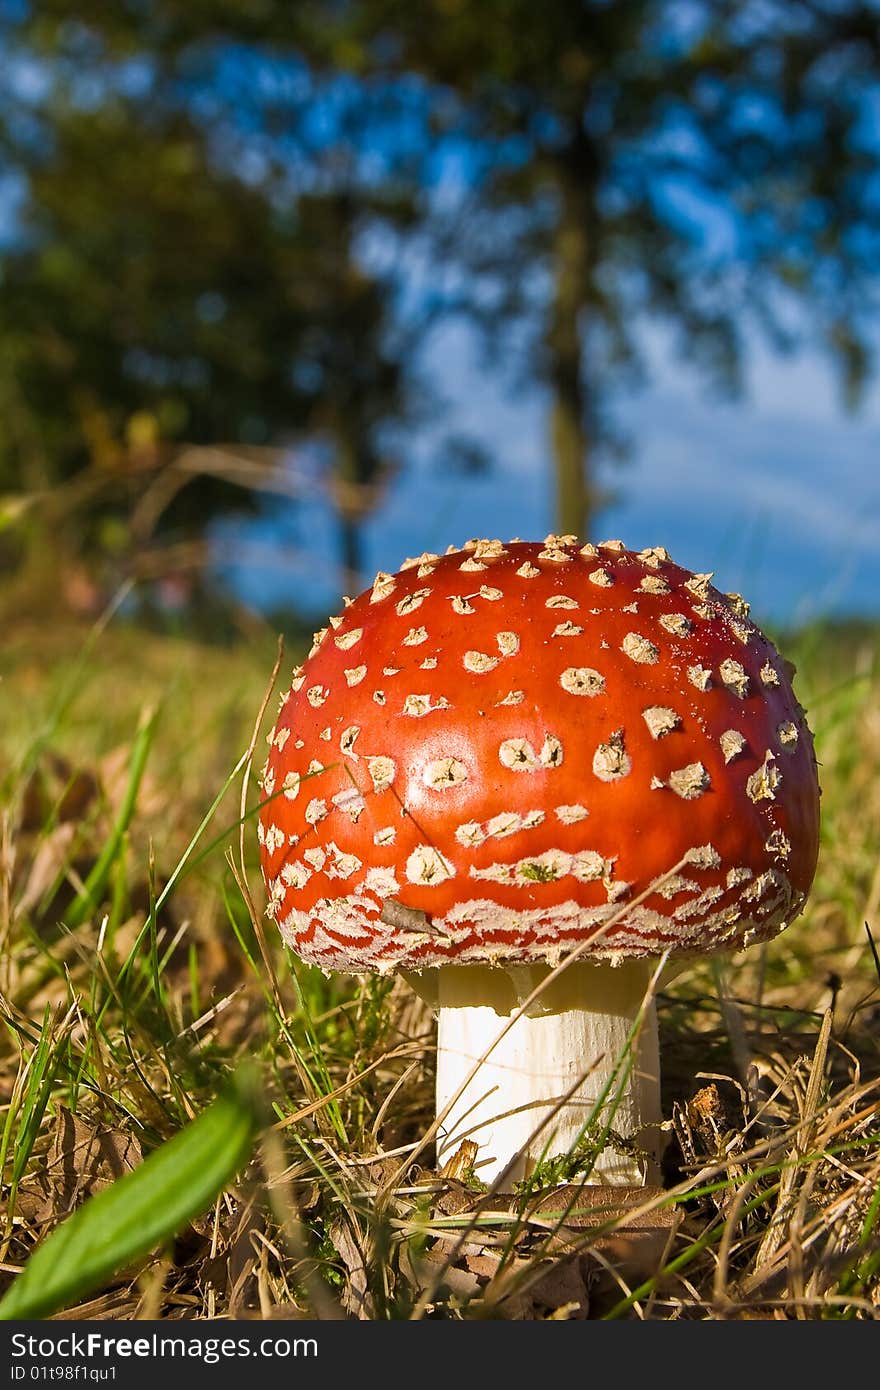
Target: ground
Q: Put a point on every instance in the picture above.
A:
(137, 972)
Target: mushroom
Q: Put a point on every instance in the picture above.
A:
(513, 753)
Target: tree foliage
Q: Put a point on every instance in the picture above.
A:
(180, 272)
(712, 165)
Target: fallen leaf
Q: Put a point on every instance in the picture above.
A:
(82, 1158)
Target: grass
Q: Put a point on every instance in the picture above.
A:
(136, 977)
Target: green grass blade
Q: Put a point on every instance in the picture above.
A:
(182, 863)
(40, 1079)
(79, 673)
(117, 1226)
(94, 885)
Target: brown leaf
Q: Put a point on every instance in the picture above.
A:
(82, 1159)
(33, 809)
(422, 1270)
(515, 1287)
(563, 1285)
(114, 771)
(48, 863)
(355, 1294)
(636, 1244)
(456, 1198)
(79, 793)
(461, 1161)
(55, 788)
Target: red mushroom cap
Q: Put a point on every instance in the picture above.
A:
(493, 752)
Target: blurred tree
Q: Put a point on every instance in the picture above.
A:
(180, 298)
(185, 293)
(706, 164)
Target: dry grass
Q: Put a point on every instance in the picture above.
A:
(771, 1201)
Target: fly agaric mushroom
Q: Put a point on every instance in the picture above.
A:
(506, 752)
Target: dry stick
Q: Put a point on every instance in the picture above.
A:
(755, 1121)
(209, 1015)
(828, 1215)
(661, 1264)
(807, 1239)
(720, 1300)
(834, 1300)
(811, 1101)
(800, 1142)
(387, 1102)
(731, 1016)
(7, 864)
(770, 1256)
(796, 1245)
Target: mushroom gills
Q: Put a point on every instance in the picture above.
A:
(531, 1081)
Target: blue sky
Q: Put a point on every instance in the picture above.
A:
(777, 492)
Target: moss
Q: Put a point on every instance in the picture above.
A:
(538, 873)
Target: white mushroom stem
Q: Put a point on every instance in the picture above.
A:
(526, 1088)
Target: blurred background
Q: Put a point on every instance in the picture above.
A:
(289, 292)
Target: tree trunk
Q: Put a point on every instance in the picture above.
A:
(350, 496)
(351, 552)
(573, 252)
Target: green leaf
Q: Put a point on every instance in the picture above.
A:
(122, 1223)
